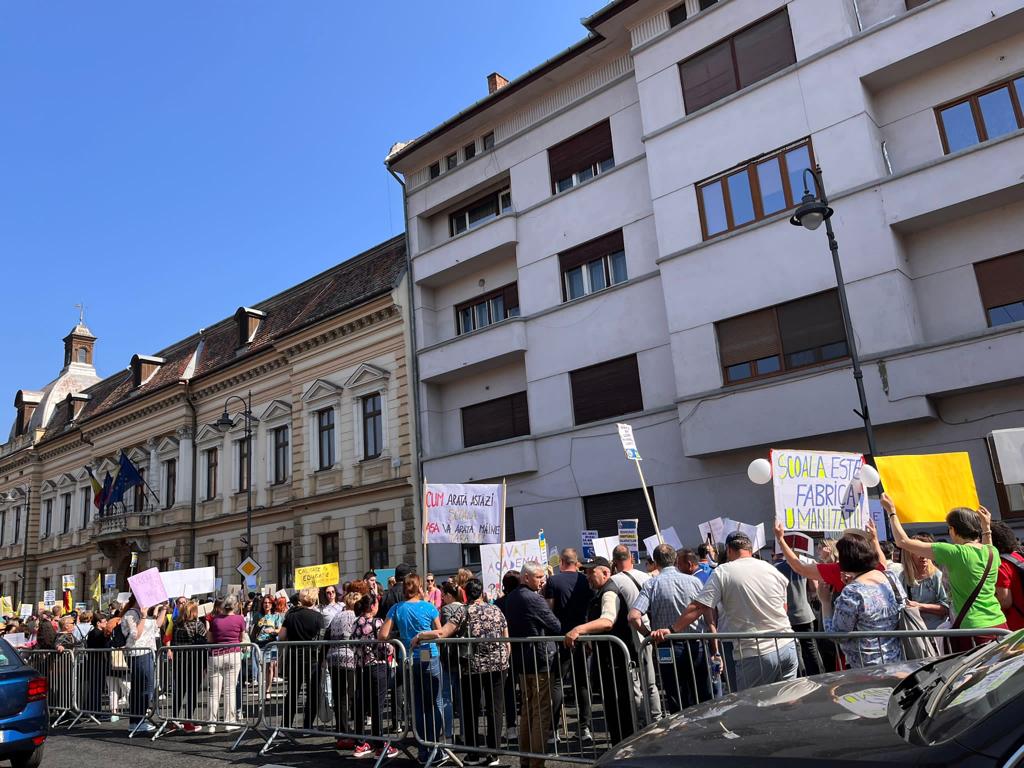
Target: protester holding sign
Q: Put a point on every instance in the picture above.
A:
(141, 636)
(972, 564)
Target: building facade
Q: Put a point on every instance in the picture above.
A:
(607, 238)
(331, 450)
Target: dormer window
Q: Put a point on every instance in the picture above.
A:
(248, 321)
(143, 368)
(75, 402)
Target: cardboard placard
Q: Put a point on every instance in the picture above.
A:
(323, 575)
(925, 488)
(463, 514)
(818, 490)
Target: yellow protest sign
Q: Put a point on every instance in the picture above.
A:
(6, 606)
(925, 488)
(316, 576)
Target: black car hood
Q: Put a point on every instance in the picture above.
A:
(838, 717)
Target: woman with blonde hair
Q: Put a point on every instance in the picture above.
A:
(925, 588)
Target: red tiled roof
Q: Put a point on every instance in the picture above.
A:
(353, 282)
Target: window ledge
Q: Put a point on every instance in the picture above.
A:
(560, 195)
(546, 311)
(453, 238)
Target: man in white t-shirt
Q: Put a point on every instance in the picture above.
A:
(751, 598)
(629, 581)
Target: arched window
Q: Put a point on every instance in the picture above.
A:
(82, 354)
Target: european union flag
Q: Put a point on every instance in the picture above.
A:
(127, 477)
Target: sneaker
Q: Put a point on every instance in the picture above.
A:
(211, 728)
(587, 735)
(363, 750)
(492, 760)
(114, 718)
(391, 752)
(191, 728)
(345, 744)
(230, 728)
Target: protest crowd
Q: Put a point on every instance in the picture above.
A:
(501, 689)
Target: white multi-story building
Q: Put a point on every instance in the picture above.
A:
(607, 238)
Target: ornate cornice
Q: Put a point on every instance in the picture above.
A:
(345, 329)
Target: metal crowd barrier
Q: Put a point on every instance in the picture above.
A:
(58, 667)
(573, 704)
(209, 686)
(693, 667)
(345, 689)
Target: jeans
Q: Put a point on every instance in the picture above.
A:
(572, 665)
(445, 696)
(140, 697)
(812, 661)
(426, 689)
(778, 664)
(685, 676)
(224, 670)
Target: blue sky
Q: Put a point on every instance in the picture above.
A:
(167, 162)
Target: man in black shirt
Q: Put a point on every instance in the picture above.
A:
(301, 664)
(569, 594)
(529, 616)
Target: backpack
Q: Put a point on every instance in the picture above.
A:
(118, 638)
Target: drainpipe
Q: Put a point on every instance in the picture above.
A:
(418, 453)
(190, 402)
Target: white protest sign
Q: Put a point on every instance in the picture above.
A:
(669, 535)
(799, 542)
(587, 539)
(205, 609)
(603, 547)
(628, 442)
(463, 514)
(193, 581)
(629, 536)
(123, 597)
(492, 567)
(818, 491)
(25, 611)
(17, 639)
(716, 529)
(50, 596)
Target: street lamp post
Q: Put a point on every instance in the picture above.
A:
(812, 211)
(225, 422)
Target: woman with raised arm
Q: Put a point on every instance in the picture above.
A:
(972, 563)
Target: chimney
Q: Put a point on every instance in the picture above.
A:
(495, 82)
(143, 368)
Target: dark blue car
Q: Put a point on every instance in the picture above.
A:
(24, 720)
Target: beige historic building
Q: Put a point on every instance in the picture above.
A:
(325, 364)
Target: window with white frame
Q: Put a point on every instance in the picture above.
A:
(593, 266)
(480, 211)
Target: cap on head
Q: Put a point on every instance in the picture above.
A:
(597, 562)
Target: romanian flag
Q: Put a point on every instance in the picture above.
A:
(97, 489)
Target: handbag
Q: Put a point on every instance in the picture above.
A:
(962, 614)
(910, 620)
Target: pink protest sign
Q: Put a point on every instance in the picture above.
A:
(148, 588)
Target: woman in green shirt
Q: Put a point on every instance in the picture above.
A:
(969, 559)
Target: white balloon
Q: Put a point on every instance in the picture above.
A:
(870, 476)
(759, 471)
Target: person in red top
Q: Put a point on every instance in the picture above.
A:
(828, 572)
(1009, 584)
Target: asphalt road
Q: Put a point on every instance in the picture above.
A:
(93, 745)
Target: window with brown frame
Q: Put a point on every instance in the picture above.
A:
(487, 309)
(581, 157)
(497, 419)
(750, 55)
(986, 114)
(755, 190)
(1001, 285)
(480, 211)
(593, 266)
(801, 333)
(608, 389)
